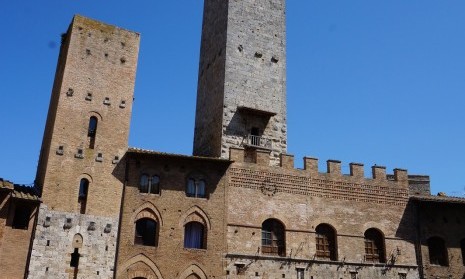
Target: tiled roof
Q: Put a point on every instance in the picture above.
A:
(5, 184)
(153, 152)
(20, 191)
(441, 199)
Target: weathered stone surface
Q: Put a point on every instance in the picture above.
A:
(242, 65)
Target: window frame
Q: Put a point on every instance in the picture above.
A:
(141, 237)
(198, 188)
(21, 217)
(273, 237)
(151, 187)
(189, 230)
(437, 251)
(374, 246)
(326, 242)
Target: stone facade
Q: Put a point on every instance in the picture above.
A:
(55, 241)
(86, 135)
(238, 208)
(242, 78)
(95, 78)
(304, 199)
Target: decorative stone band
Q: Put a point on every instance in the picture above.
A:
(271, 183)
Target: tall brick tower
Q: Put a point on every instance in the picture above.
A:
(79, 174)
(241, 97)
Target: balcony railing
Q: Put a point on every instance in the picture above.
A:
(257, 141)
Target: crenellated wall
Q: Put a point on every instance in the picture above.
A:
(302, 199)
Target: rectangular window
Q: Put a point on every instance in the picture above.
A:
(300, 273)
(21, 217)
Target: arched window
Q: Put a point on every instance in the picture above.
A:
(462, 247)
(92, 131)
(83, 191)
(195, 188)
(146, 232)
(437, 251)
(273, 241)
(149, 184)
(194, 235)
(326, 242)
(374, 246)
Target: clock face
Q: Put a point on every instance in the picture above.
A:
(268, 187)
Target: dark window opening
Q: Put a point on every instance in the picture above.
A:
(146, 232)
(273, 241)
(255, 131)
(240, 269)
(92, 131)
(437, 251)
(75, 258)
(194, 236)
(195, 188)
(82, 199)
(326, 242)
(21, 217)
(149, 184)
(374, 246)
(255, 136)
(300, 273)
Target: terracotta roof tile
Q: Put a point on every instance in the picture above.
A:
(441, 199)
(153, 152)
(20, 191)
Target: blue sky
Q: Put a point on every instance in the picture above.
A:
(374, 82)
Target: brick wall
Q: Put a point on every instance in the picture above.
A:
(172, 209)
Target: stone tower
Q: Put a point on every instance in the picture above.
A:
(241, 97)
(80, 176)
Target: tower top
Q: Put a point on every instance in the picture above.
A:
(241, 95)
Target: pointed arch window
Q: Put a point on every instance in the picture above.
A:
(146, 232)
(194, 235)
(273, 237)
(437, 251)
(326, 242)
(374, 246)
(83, 192)
(149, 184)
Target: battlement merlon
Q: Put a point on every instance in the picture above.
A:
(333, 167)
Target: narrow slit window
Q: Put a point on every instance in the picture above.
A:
(92, 131)
(83, 191)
